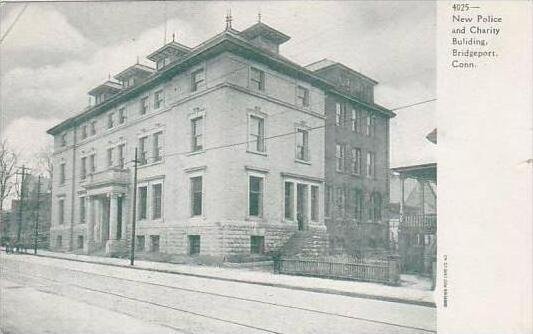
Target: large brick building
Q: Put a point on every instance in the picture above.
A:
(230, 139)
(357, 161)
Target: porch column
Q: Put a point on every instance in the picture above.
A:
(422, 198)
(90, 223)
(125, 206)
(113, 205)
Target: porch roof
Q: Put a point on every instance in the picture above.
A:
(424, 171)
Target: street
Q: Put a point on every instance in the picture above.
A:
(45, 295)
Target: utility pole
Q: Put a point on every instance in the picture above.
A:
(134, 214)
(21, 203)
(36, 232)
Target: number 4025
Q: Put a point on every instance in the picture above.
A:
(461, 7)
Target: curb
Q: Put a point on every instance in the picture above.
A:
(275, 285)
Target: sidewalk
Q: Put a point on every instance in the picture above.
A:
(417, 293)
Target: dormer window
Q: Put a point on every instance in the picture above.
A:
(169, 53)
(162, 62)
(130, 82)
(99, 98)
(105, 91)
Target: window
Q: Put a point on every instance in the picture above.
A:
(121, 115)
(61, 211)
(359, 121)
(121, 152)
(143, 196)
(196, 196)
(63, 140)
(156, 200)
(161, 62)
(110, 157)
(80, 242)
(302, 145)
(302, 96)
(255, 205)
(370, 124)
(197, 80)
(59, 241)
(289, 200)
(354, 120)
(356, 161)
(340, 114)
(139, 243)
(154, 243)
(92, 159)
(143, 105)
(328, 200)
(257, 79)
(93, 128)
(83, 172)
(375, 207)
(62, 173)
(370, 164)
(314, 203)
(143, 154)
(110, 120)
(340, 153)
(197, 134)
(194, 244)
(83, 131)
(82, 210)
(341, 200)
(358, 204)
(158, 146)
(158, 99)
(128, 82)
(257, 244)
(257, 134)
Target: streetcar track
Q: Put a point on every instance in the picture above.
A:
(238, 298)
(150, 303)
(41, 288)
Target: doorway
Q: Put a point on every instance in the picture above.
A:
(302, 206)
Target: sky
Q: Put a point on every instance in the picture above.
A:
(56, 52)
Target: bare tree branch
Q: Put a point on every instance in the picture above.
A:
(8, 169)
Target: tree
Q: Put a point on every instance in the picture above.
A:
(8, 169)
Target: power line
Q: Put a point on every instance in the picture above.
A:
(14, 22)
(414, 104)
(265, 139)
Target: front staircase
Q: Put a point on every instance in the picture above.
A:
(311, 243)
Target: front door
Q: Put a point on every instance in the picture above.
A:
(302, 206)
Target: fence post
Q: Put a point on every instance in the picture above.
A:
(393, 263)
